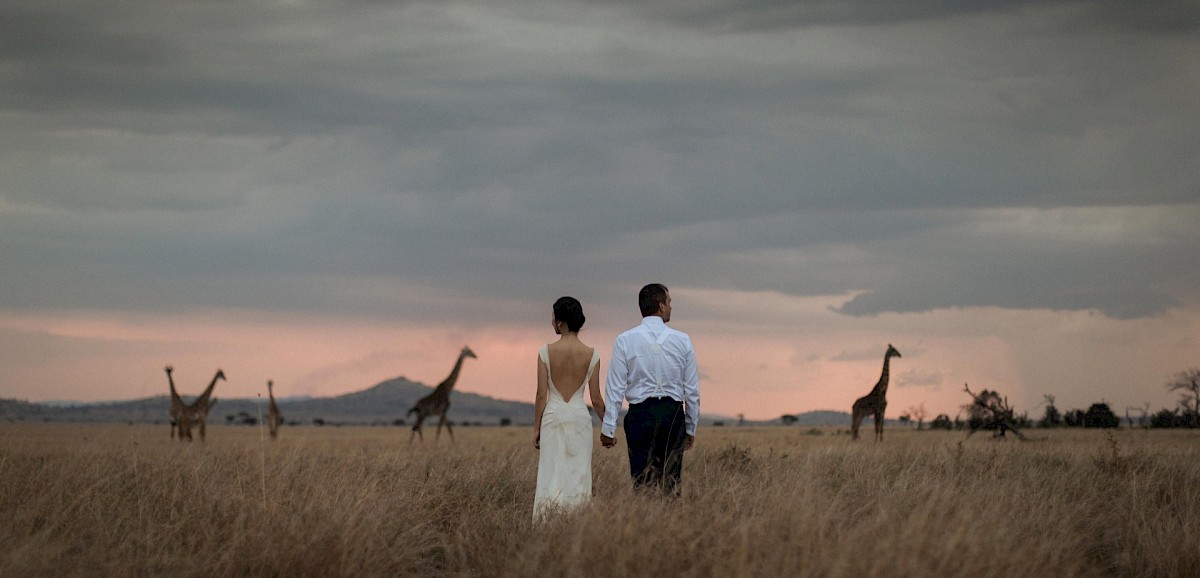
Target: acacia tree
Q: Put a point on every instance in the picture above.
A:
(1052, 417)
(1100, 415)
(1073, 418)
(1188, 384)
(1166, 418)
(918, 413)
(988, 410)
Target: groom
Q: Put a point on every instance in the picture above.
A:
(654, 367)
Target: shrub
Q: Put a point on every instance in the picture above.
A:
(1166, 418)
(1100, 415)
(942, 421)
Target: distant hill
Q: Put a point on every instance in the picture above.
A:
(381, 404)
(823, 418)
(391, 399)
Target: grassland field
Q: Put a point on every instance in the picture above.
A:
(121, 500)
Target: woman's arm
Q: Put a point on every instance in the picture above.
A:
(539, 405)
(594, 390)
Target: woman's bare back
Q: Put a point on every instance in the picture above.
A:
(569, 361)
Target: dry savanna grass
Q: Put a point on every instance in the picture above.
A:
(129, 501)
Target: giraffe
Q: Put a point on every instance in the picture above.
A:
(274, 418)
(178, 410)
(199, 408)
(874, 403)
(438, 402)
(184, 415)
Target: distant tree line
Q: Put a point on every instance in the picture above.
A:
(1097, 415)
(1184, 415)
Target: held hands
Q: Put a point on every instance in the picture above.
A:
(688, 442)
(537, 439)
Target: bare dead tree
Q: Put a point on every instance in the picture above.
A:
(991, 412)
(1144, 412)
(1187, 383)
(1051, 417)
(916, 413)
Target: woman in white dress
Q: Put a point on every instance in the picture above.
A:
(562, 425)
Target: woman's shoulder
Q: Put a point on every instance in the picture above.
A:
(587, 350)
(573, 348)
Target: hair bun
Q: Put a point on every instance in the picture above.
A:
(568, 310)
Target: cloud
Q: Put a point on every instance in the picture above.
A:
(856, 356)
(1124, 262)
(371, 159)
(915, 378)
(771, 15)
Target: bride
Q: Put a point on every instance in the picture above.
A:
(562, 424)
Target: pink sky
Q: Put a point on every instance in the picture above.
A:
(760, 354)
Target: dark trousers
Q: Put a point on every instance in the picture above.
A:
(654, 433)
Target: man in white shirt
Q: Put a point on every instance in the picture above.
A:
(654, 367)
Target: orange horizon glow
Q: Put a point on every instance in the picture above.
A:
(791, 356)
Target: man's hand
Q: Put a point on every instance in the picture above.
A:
(607, 441)
(688, 442)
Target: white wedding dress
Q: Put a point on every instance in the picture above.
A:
(564, 477)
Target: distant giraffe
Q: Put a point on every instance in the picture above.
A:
(199, 408)
(438, 402)
(874, 403)
(274, 418)
(197, 411)
(178, 411)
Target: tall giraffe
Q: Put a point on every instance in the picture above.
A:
(438, 402)
(274, 418)
(198, 410)
(874, 403)
(178, 410)
(185, 415)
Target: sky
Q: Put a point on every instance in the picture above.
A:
(331, 194)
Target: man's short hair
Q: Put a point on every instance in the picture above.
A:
(651, 297)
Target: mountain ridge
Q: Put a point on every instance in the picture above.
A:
(385, 403)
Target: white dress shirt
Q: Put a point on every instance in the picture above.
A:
(652, 360)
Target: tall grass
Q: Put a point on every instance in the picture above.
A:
(129, 501)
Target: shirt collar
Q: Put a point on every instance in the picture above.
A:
(654, 323)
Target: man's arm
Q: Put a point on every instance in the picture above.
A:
(691, 392)
(614, 389)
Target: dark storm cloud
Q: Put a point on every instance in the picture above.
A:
(777, 14)
(313, 155)
(759, 15)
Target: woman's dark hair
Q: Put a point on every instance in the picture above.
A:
(650, 297)
(569, 311)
